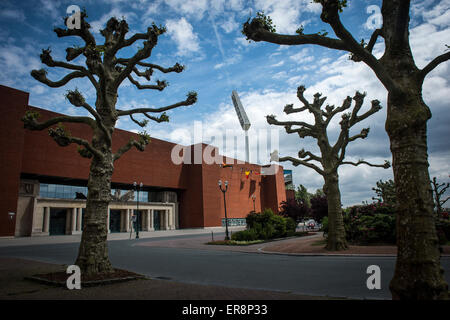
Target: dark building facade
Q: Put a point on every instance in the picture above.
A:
(43, 185)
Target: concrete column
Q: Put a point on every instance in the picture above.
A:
(108, 220)
(46, 219)
(127, 220)
(166, 219)
(152, 227)
(172, 220)
(147, 215)
(79, 218)
(73, 224)
(169, 217)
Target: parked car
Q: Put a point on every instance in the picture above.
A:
(308, 224)
(311, 224)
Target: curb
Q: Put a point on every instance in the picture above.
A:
(84, 283)
(260, 250)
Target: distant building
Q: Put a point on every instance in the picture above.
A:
(43, 186)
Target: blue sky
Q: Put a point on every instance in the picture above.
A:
(205, 36)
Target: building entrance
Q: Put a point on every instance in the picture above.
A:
(57, 221)
(157, 220)
(114, 220)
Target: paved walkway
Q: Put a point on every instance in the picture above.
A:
(39, 240)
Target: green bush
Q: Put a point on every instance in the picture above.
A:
(291, 225)
(367, 227)
(324, 225)
(368, 224)
(245, 235)
(267, 225)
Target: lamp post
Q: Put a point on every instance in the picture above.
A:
(254, 199)
(138, 189)
(225, 205)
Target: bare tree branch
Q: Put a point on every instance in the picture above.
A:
(373, 39)
(386, 164)
(77, 100)
(41, 76)
(140, 144)
(47, 59)
(297, 162)
(161, 85)
(434, 63)
(255, 31)
(191, 99)
(272, 120)
(30, 122)
(83, 32)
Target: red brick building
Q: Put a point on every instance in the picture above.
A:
(40, 182)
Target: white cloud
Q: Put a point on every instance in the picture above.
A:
(16, 15)
(303, 56)
(286, 14)
(229, 25)
(182, 32)
(279, 64)
(115, 12)
(194, 8)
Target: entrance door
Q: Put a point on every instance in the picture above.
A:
(157, 220)
(114, 220)
(57, 221)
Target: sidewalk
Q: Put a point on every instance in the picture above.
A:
(39, 240)
(301, 246)
(14, 286)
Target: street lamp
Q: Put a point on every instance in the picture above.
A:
(254, 199)
(225, 205)
(138, 189)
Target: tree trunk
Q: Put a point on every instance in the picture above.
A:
(336, 232)
(418, 274)
(93, 251)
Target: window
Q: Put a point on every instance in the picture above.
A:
(59, 191)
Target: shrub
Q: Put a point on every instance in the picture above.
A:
(291, 225)
(268, 225)
(366, 226)
(245, 235)
(324, 225)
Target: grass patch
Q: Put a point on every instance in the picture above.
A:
(300, 234)
(234, 242)
(319, 242)
(247, 243)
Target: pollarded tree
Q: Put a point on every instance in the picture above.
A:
(106, 72)
(332, 156)
(385, 191)
(418, 273)
(438, 191)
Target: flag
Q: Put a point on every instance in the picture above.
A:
(247, 174)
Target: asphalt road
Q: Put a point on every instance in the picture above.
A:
(319, 275)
